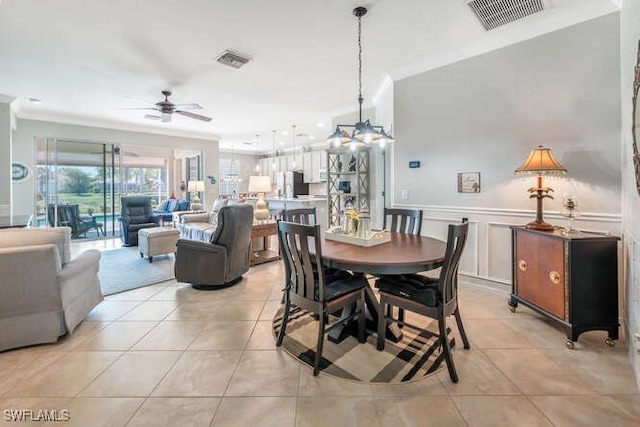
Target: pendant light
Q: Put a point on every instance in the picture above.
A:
(293, 131)
(364, 133)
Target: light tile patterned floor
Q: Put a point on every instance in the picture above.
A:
(173, 356)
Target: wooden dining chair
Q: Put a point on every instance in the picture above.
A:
(403, 220)
(301, 216)
(306, 286)
(408, 221)
(438, 300)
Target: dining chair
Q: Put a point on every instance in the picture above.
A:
(437, 300)
(301, 215)
(407, 221)
(306, 286)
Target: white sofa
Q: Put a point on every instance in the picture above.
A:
(43, 292)
(202, 226)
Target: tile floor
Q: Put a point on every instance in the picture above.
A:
(170, 355)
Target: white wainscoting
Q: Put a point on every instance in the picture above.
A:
(487, 255)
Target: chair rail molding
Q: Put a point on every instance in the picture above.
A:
(488, 253)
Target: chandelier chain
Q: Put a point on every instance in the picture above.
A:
(360, 67)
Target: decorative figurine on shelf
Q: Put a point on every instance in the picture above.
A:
(212, 179)
(570, 203)
(353, 219)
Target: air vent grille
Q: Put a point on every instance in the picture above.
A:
(232, 59)
(495, 13)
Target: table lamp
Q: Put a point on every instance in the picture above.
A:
(260, 185)
(195, 187)
(540, 162)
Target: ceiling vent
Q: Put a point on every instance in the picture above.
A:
(496, 13)
(232, 59)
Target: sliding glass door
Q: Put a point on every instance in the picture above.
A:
(77, 186)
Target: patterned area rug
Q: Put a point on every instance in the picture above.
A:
(415, 356)
(122, 270)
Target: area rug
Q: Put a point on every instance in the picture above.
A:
(416, 355)
(123, 269)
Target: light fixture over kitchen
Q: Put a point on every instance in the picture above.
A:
(364, 133)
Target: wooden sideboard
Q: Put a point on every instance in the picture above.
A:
(570, 279)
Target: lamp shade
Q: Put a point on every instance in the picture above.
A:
(259, 184)
(195, 186)
(541, 162)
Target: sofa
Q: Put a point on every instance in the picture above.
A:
(166, 209)
(222, 261)
(202, 226)
(44, 294)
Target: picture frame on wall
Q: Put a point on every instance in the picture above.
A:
(469, 182)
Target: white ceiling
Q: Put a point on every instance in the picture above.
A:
(89, 60)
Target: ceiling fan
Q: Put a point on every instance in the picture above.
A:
(166, 109)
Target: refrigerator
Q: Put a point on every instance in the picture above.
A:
(294, 184)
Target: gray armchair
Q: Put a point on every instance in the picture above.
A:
(136, 213)
(223, 261)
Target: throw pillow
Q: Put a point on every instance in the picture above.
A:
(218, 204)
(171, 206)
(163, 206)
(183, 205)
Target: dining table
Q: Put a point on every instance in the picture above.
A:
(403, 254)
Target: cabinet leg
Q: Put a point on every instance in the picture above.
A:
(610, 342)
(513, 303)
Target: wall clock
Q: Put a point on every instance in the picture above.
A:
(19, 172)
(636, 121)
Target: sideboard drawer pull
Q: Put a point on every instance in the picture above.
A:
(555, 277)
(522, 265)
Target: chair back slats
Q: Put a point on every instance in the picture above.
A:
(301, 216)
(456, 239)
(407, 221)
(302, 277)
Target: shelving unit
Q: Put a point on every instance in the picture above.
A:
(344, 165)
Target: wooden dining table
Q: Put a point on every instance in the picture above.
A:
(403, 254)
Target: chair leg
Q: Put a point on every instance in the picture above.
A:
(320, 344)
(285, 319)
(382, 323)
(361, 319)
(463, 334)
(442, 326)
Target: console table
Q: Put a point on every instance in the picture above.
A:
(572, 280)
(263, 230)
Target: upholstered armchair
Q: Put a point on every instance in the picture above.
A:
(44, 293)
(222, 261)
(136, 213)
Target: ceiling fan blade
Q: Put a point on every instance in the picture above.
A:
(187, 107)
(194, 115)
(140, 108)
(150, 117)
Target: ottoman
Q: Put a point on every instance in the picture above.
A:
(156, 241)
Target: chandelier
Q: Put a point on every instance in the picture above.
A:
(232, 177)
(364, 133)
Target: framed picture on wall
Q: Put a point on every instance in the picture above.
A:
(469, 182)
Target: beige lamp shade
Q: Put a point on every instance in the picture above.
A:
(260, 185)
(541, 162)
(195, 186)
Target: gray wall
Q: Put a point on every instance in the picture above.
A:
(486, 113)
(629, 37)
